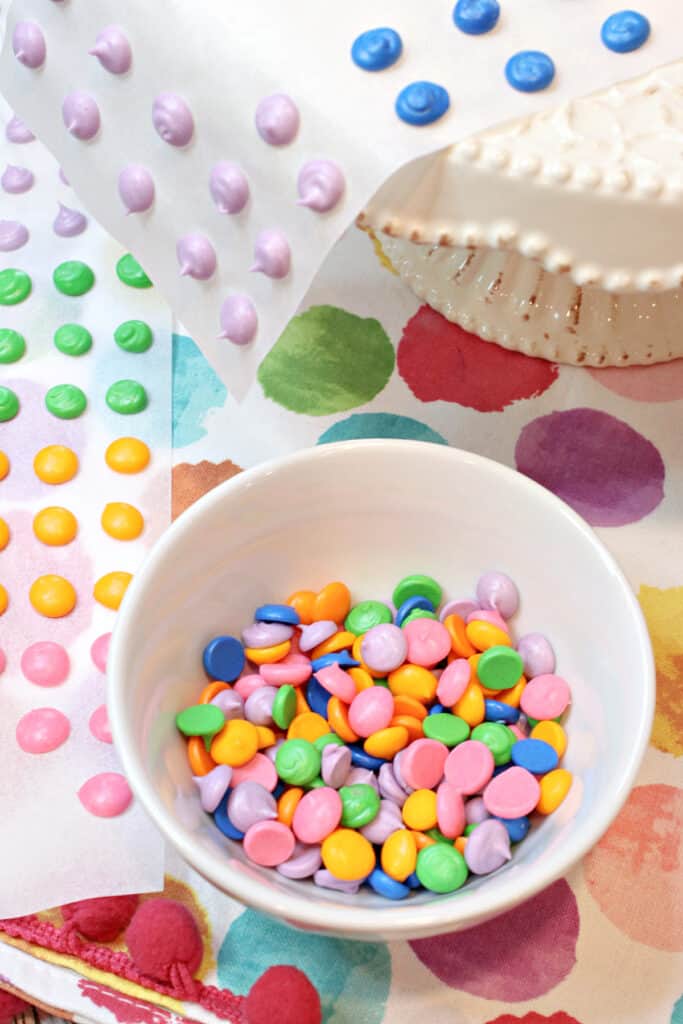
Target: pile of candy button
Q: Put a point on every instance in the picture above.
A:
(402, 748)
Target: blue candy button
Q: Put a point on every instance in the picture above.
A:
(377, 49)
(223, 821)
(530, 71)
(277, 613)
(476, 16)
(537, 756)
(317, 697)
(625, 31)
(223, 658)
(362, 760)
(437, 709)
(496, 711)
(413, 881)
(517, 828)
(386, 886)
(422, 103)
(410, 605)
(342, 658)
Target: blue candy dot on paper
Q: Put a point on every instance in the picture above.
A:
(422, 103)
(476, 16)
(625, 31)
(377, 49)
(530, 71)
(379, 424)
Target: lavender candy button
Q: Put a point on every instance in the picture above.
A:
(250, 802)
(230, 703)
(497, 591)
(325, 880)
(277, 119)
(361, 776)
(537, 654)
(229, 187)
(389, 786)
(17, 131)
(112, 49)
(303, 863)
(266, 634)
(475, 811)
(172, 119)
(258, 707)
(196, 256)
(335, 765)
(320, 185)
(12, 235)
(316, 634)
(17, 179)
(81, 115)
(488, 847)
(136, 188)
(28, 43)
(213, 786)
(387, 820)
(396, 765)
(384, 647)
(68, 222)
(461, 608)
(238, 319)
(272, 255)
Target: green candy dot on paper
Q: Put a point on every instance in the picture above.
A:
(417, 586)
(441, 868)
(9, 404)
(200, 720)
(497, 738)
(499, 668)
(418, 613)
(15, 285)
(327, 360)
(131, 273)
(66, 401)
(126, 397)
(284, 706)
(73, 340)
(133, 336)
(365, 615)
(12, 345)
(73, 278)
(448, 729)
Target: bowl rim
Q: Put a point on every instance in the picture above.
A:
(402, 920)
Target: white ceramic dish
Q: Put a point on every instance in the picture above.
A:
(370, 512)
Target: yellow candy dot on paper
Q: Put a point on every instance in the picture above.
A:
(52, 596)
(4, 599)
(55, 464)
(127, 455)
(4, 465)
(4, 534)
(55, 526)
(122, 521)
(110, 589)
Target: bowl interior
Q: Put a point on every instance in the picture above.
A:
(369, 513)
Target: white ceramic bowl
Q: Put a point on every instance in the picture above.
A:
(369, 513)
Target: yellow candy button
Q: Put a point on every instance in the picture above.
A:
(419, 810)
(413, 681)
(308, 726)
(341, 641)
(301, 705)
(52, 596)
(462, 648)
(122, 521)
(235, 744)
(4, 465)
(267, 655)
(110, 589)
(4, 599)
(127, 455)
(55, 464)
(471, 705)
(483, 635)
(348, 855)
(399, 854)
(361, 678)
(413, 725)
(514, 695)
(55, 526)
(387, 742)
(554, 788)
(4, 534)
(552, 733)
(266, 737)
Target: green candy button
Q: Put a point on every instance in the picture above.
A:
(9, 405)
(417, 586)
(365, 615)
(133, 336)
(329, 737)
(73, 278)
(441, 868)
(131, 273)
(297, 762)
(15, 286)
(126, 397)
(360, 805)
(284, 707)
(73, 340)
(418, 613)
(448, 729)
(497, 738)
(200, 720)
(499, 668)
(66, 401)
(469, 829)
(12, 345)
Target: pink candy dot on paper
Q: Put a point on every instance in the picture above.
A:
(42, 730)
(99, 724)
(100, 651)
(45, 663)
(105, 795)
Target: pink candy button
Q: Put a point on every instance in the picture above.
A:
(99, 724)
(105, 795)
(337, 682)
(246, 685)
(469, 767)
(422, 763)
(428, 642)
(450, 811)
(545, 697)
(453, 682)
(317, 815)
(42, 730)
(371, 710)
(269, 843)
(260, 769)
(292, 672)
(512, 794)
(45, 663)
(99, 652)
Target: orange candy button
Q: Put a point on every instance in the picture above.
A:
(4, 465)
(302, 602)
(200, 759)
(471, 706)
(288, 803)
(308, 726)
(267, 655)
(52, 596)
(55, 526)
(4, 534)
(413, 725)
(55, 464)
(122, 521)
(127, 455)
(211, 690)
(332, 603)
(459, 642)
(111, 588)
(483, 635)
(413, 681)
(341, 641)
(4, 599)
(235, 744)
(338, 717)
(386, 742)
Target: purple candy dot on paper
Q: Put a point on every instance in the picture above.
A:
(196, 256)
(81, 115)
(229, 187)
(320, 185)
(172, 119)
(17, 179)
(272, 255)
(608, 472)
(12, 235)
(28, 43)
(238, 320)
(112, 49)
(17, 131)
(277, 119)
(136, 188)
(68, 222)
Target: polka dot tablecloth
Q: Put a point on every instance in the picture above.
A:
(364, 359)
